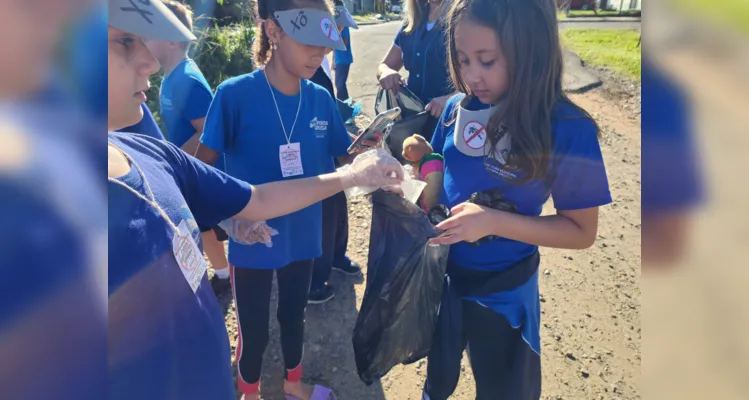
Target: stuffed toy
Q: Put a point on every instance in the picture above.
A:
(429, 166)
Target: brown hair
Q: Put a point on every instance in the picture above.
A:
(183, 14)
(528, 35)
(417, 11)
(264, 10)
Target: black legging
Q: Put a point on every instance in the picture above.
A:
(504, 366)
(252, 296)
(334, 239)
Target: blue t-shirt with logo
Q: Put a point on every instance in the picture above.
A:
(185, 95)
(577, 180)
(247, 130)
(344, 56)
(165, 342)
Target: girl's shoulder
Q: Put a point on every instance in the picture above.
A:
(570, 123)
(317, 92)
(242, 82)
(452, 102)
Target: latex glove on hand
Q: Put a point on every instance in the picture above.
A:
(372, 169)
(249, 232)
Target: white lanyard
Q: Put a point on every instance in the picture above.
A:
(152, 202)
(299, 107)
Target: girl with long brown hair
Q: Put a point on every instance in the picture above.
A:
(512, 131)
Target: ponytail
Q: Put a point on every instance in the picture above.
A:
(261, 47)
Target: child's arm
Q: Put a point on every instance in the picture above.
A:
(569, 229)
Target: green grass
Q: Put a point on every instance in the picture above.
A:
(601, 14)
(731, 13)
(613, 49)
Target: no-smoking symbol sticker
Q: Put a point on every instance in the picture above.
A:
(329, 30)
(474, 135)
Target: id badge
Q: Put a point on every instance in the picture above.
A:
(291, 160)
(189, 257)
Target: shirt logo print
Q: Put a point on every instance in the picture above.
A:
(319, 127)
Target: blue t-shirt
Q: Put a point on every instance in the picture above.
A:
(146, 126)
(246, 128)
(87, 56)
(52, 246)
(185, 95)
(671, 176)
(425, 58)
(577, 180)
(344, 56)
(165, 342)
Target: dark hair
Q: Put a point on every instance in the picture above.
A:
(529, 38)
(264, 10)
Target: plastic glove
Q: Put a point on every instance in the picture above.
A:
(374, 168)
(249, 233)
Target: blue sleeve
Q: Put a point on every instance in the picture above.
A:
(397, 40)
(194, 98)
(211, 195)
(218, 130)
(671, 176)
(438, 138)
(339, 138)
(147, 125)
(579, 174)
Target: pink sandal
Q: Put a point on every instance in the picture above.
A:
(318, 393)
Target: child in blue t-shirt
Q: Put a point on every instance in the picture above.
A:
(185, 97)
(167, 338)
(342, 60)
(511, 130)
(273, 124)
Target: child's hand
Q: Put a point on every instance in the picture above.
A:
(436, 106)
(391, 80)
(468, 223)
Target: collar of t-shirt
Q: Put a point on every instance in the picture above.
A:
(431, 25)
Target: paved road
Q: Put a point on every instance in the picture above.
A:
(369, 44)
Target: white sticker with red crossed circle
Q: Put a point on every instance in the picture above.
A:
(474, 135)
(329, 29)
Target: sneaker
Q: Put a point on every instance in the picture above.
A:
(220, 285)
(349, 268)
(321, 295)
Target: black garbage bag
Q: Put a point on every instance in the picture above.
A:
(413, 118)
(405, 278)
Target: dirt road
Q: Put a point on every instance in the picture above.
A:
(590, 299)
(590, 323)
